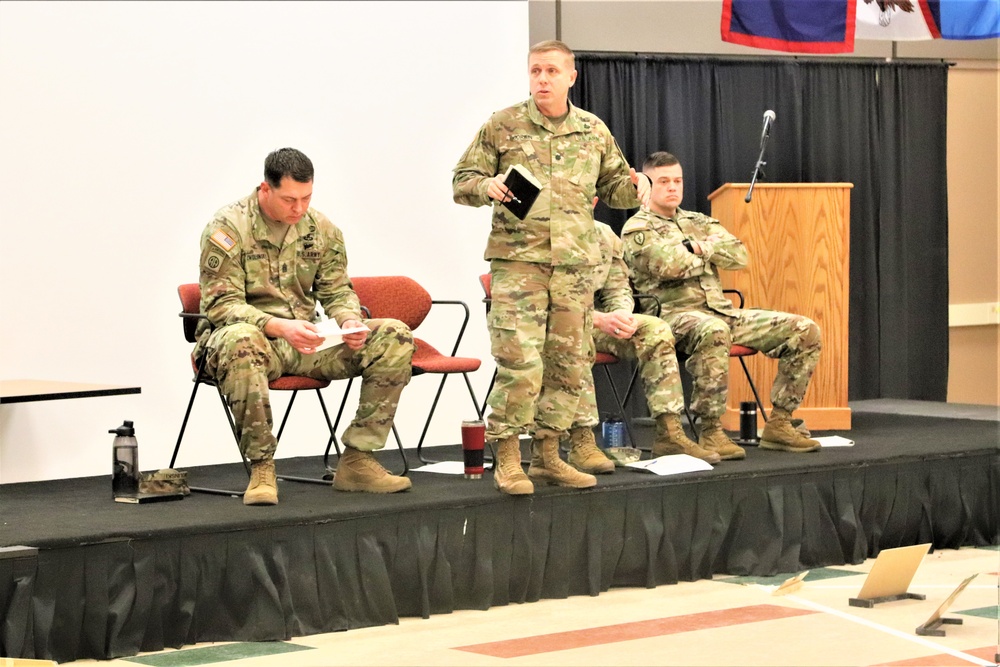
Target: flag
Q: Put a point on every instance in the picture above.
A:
(902, 20)
(966, 19)
(800, 26)
(831, 26)
(897, 20)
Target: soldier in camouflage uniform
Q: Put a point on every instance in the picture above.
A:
(632, 336)
(676, 255)
(265, 262)
(540, 317)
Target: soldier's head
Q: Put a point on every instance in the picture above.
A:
(665, 173)
(287, 187)
(552, 72)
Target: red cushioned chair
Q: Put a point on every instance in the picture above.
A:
(190, 295)
(404, 299)
(739, 352)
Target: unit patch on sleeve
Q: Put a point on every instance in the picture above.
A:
(213, 260)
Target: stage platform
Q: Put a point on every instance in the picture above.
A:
(84, 577)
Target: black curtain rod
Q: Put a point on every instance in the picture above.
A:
(708, 57)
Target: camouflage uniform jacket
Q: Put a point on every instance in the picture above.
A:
(662, 266)
(245, 278)
(612, 290)
(573, 162)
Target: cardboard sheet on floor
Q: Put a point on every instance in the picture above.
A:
(891, 575)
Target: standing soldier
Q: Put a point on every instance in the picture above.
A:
(540, 318)
(265, 262)
(676, 255)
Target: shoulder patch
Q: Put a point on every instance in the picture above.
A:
(639, 238)
(634, 224)
(213, 260)
(223, 240)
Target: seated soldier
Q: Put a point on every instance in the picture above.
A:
(265, 262)
(630, 336)
(676, 255)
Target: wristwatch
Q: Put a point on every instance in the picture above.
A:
(687, 244)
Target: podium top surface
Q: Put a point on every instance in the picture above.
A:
(775, 186)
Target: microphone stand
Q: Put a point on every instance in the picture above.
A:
(757, 170)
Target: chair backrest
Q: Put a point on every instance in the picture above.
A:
(190, 294)
(398, 297)
(485, 281)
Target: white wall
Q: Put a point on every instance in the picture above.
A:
(126, 125)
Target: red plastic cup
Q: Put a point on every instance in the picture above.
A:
(473, 444)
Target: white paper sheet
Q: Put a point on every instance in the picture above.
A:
(834, 441)
(671, 465)
(334, 335)
(443, 467)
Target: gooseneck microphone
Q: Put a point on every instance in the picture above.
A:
(769, 117)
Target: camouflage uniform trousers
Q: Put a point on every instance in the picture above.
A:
(243, 360)
(539, 321)
(652, 345)
(793, 340)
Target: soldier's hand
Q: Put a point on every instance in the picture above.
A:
(354, 340)
(643, 187)
(619, 324)
(300, 334)
(498, 190)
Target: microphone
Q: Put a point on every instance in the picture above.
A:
(765, 133)
(768, 120)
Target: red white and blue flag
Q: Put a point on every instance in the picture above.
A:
(831, 26)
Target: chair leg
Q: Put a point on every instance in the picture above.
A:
(187, 414)
(489, 390)
(621, 406)
(199, 379)
(336, 425)
(753, 388)
(430, 415)
(327, 478)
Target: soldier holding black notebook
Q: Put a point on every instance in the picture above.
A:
(540, 318)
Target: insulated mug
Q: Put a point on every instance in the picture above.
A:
(748, 421)
(473, 442)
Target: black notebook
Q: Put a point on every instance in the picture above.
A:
(524, 187)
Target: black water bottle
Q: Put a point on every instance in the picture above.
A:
(124, 461)
(748, 423)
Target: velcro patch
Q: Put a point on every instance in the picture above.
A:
(223, 240)
(213, 261)
(640, 238)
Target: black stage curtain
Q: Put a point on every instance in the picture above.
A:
(877, 125)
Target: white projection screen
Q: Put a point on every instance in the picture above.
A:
(126, 125)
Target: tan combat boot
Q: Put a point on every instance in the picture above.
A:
(508, 475)
(359, 471)
(584, 454)
(779, 434)
(263, 486)
(714, 439)
(671, 439)
(546, 466)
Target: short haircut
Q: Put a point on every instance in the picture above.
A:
(553, 45)
(287, 162)
(659, 159)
